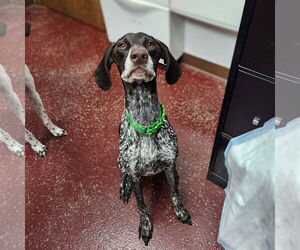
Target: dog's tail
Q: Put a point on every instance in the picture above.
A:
(27, 29)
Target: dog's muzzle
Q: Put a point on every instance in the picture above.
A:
(138, 66)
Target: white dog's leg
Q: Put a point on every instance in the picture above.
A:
(11, 144)
(16, 105)
(11, 97)
(35, 144)
(38, 105)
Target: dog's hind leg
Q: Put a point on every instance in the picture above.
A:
(145, 227)
(38, 106)
(179, 209)
(12, 145)
(126, 187)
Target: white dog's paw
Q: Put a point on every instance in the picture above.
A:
(17, 149)
(39, 149)
(58, 132)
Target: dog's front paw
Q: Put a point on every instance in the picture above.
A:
(145, 229)
(39, 149)
(125, 190)
(17, 149)
(58, 132)
(182, 214)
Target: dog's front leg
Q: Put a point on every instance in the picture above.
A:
(11, 97)
(145, 227)
(38, 106)
(12, 145)
(179, 209)
(126, 187)
(36, 146)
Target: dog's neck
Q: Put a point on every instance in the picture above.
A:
(142, 102)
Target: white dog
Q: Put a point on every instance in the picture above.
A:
(15, 104)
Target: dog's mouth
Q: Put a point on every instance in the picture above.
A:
(137, 71)
(139, 74)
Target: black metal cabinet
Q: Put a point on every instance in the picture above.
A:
(259, 53)
(250, 93)
(287, 98)
(287, 60)
(251, 104)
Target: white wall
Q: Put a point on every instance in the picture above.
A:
(203, 28)
(209, 42)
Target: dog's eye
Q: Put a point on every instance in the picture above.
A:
(150, 45)
(122, 46)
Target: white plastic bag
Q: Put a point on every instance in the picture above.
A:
(258, 214)
(248, 213)
(287, 189)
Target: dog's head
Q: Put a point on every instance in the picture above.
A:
(136, 56)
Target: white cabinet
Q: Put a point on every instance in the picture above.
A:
(159, 2)
(123, 16)
(223, 13)
(202, 28)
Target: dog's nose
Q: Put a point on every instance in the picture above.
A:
(139, 56)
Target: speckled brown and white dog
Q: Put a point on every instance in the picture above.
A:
(137, 57)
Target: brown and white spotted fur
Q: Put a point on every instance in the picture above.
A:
(136, 56)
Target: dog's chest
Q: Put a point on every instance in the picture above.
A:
(144, 155)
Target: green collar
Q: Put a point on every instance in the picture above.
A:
(150, 129)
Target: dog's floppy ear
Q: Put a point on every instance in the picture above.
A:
(173, 70)
(102, 73)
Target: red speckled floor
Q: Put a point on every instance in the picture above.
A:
(72, 195)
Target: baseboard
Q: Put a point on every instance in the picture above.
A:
(204, 65)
